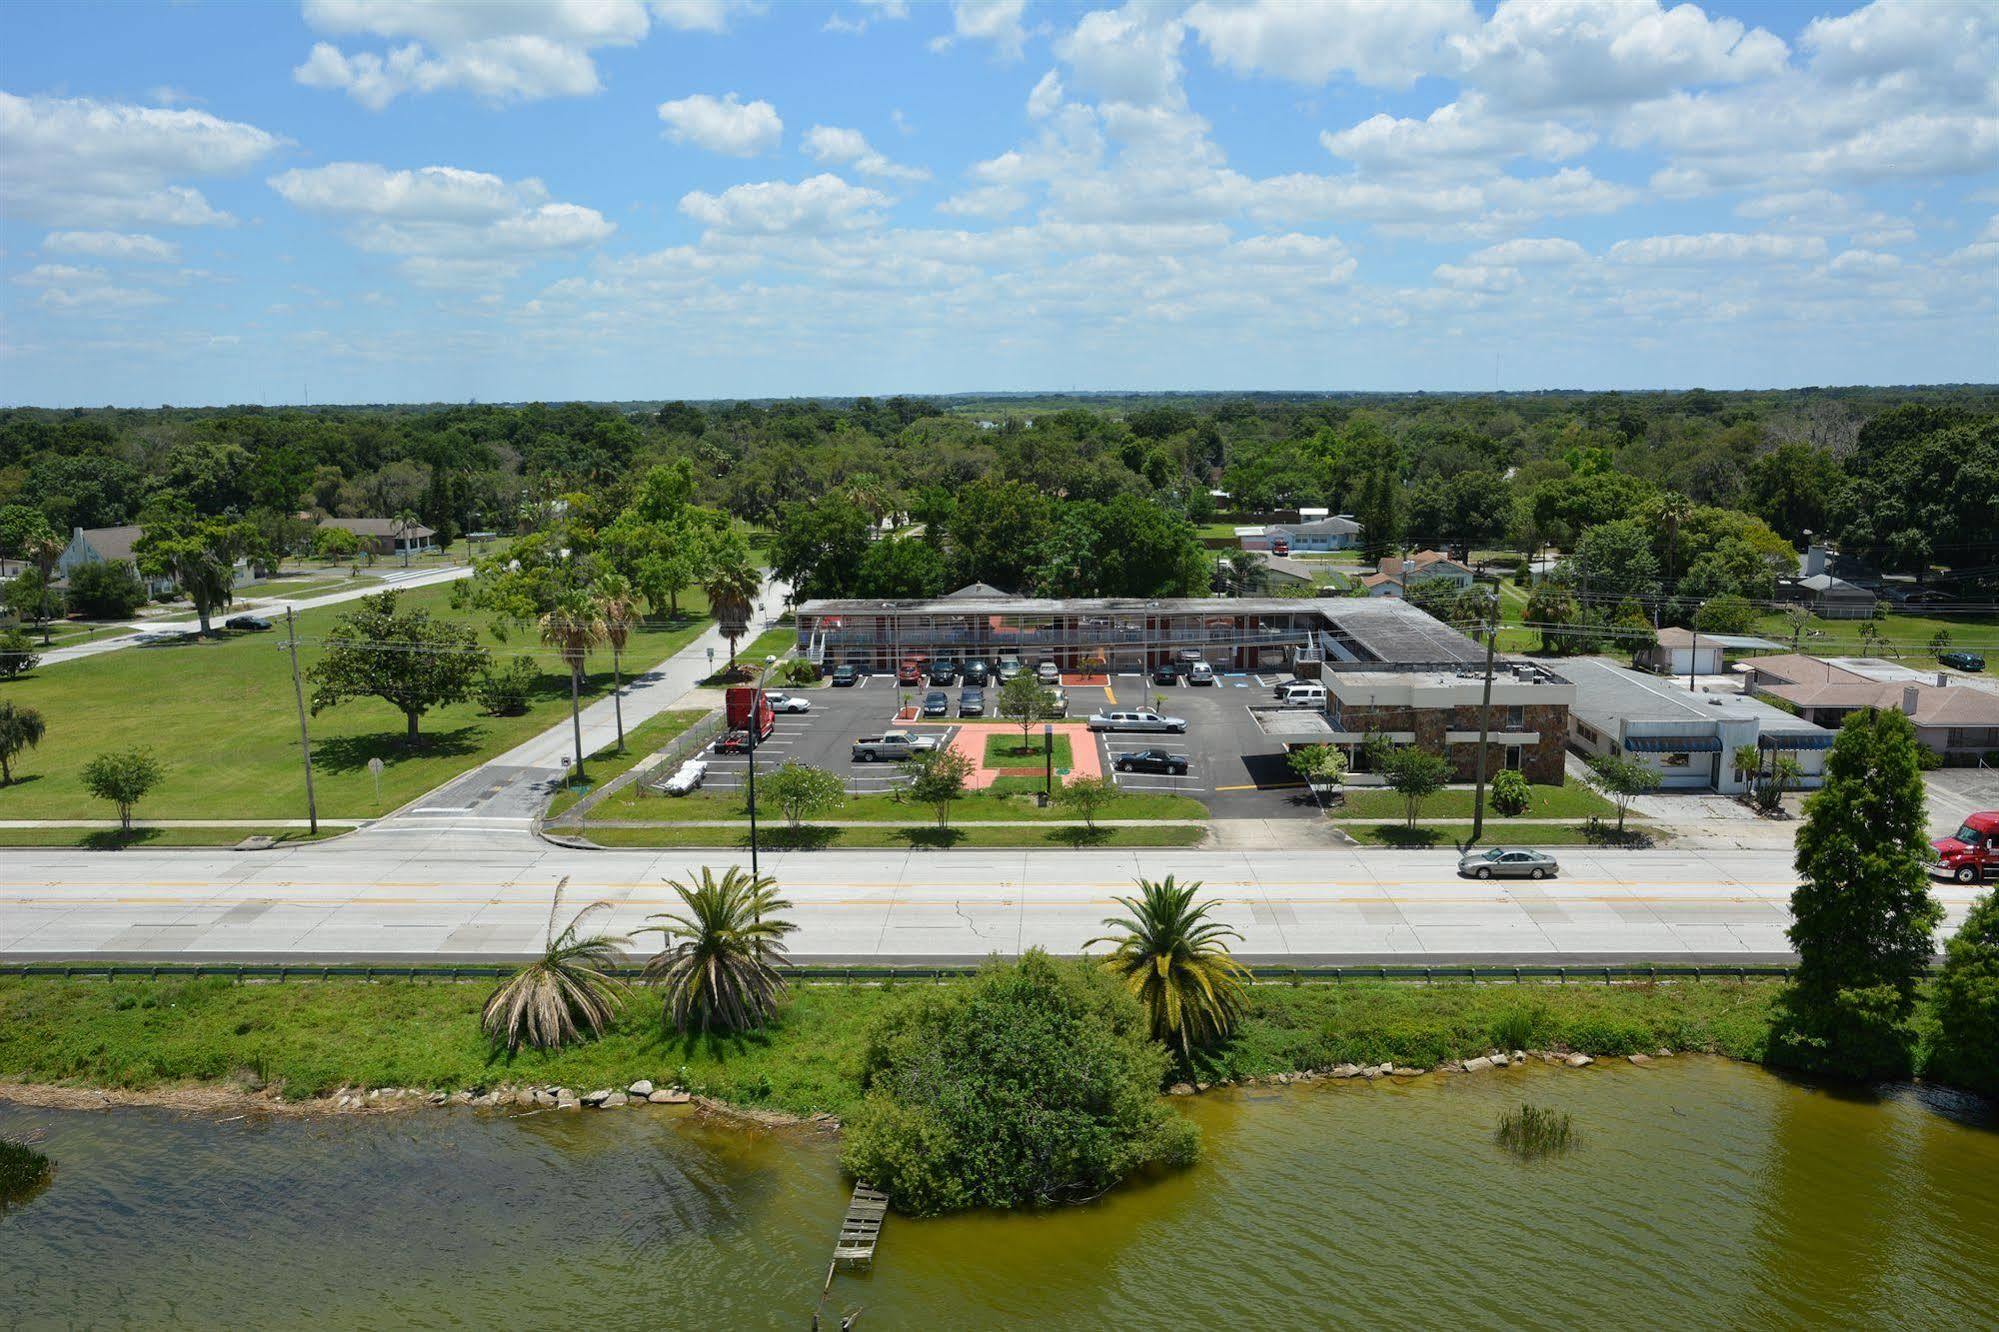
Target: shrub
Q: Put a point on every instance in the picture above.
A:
(106, 590)
(505, 692)
(1033, 1084)
(1966, 998)
(17, 654)
(1510, 794)
(797, 670)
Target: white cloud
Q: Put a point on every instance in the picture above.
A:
(995, 21)
(822, 203)
(841, 147)
(1381, 43)
(1477, 277)
(1716, 247)
(1460, 131)
(112, 245)
(723, 125)
(1124, 55)
(79, 162)
(1046, 99)
(520, 50)
(444, 223)
(1530, 250)
(68, 289)
(990, 201)
(1865, 263)
(872, 11)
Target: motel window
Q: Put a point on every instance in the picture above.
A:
(1587, 735)
(1516, 717)
(1675, 761)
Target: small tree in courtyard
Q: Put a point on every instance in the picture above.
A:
(1621, 779)
(1415, 775)
(1510, 794)
(17, 654)
(1024, 701)
(1322, 765)
(937, 779)
(801, 791)
(1087, 795)
(123, 777)
(1862, 918)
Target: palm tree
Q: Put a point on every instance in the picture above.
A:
(732, 586)
(406, 522)
(549, 1002)
(572, 627)
(719, 965)
(1673, 510)
(20, 728)
(44, 548)
(1173, 959)
(618, 604)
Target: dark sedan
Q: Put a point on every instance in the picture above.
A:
(1964, 661)
(1151, 760)
(936, 703)
(944, 672)
(845, 677)
(972, 703)
(1167, 673)
(250, 622)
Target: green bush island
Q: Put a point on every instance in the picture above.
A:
(1966, 994)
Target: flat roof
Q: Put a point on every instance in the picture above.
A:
(1678, 638)
(1006, 605)
(1604, 690)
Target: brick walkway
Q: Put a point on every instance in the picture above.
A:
(971, 742)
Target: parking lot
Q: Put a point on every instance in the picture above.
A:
(1232, 766)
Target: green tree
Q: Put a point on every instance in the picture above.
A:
(1939, 643)
(29, 597)
(937, 779)
(1621, 779)
(818, 547)
(574, 626)
(21, 526)
(800, 791)
(732, 584)
(1967, 1002)
(1725, 614)
(21, 729)
(1087, 796)
(506, 691)
(106, 590)
(17, 653)
(902, 568)
(1173, 960)
(1510, 794)
(718, 965)
(1615, 559)
(1415, 775)
(123, 777)
(1551, 609)
(1324, 765)
(1036, 1083)
(550, 1002)
(335, 545)
(1862, 918)
(618, 608)
(406, 659)
(198, 554)
(1024, 701)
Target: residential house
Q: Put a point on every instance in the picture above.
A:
(1958, 722)
(1684, 652)
(1828, 595)
(1397, 573)
(386, 536)
(108, 545)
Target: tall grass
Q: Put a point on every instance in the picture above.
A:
(24, 1172)
(1532, 1131)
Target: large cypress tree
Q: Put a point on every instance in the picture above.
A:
(1862, 914)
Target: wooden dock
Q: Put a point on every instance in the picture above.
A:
(861, 1228)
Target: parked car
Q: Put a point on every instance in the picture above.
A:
(250, 622)
(1280, 545)
(1137, 719)
(936, 703)
(976, 671)
(1963, 661)
(1151, 760)
(944, 672)
(1008, 668)
(1972, 852)
(1058, 702)
(734, 742)
(909, 673)
(1301, 694)
(1200, 673)
(972, 703)
(845, 677)
(1186, 657)
(892, 746)
(1500, 863)
(1166, 673)
(1048, 673)
(787, 702)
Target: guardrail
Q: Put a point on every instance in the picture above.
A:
(876, 974)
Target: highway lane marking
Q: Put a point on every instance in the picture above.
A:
(1099, 898)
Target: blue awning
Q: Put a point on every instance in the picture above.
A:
(1672, 744)
(1797, 740)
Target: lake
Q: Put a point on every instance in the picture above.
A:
(1702, 1193)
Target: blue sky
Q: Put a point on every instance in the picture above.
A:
(380, 200)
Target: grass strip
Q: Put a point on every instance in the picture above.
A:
(816, 837)
(641, 743)
(1497, 832)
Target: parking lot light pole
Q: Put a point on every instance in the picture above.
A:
(1485, 720)
(1048, 762)
(756, 724)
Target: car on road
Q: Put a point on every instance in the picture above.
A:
(846, 676)
(1200, 673)
(1166, 673)
(1963, 661)
(1507, 863)
(1136, 719)
(1972, 852)
(976, 671)
(944, 672)
(1151, 760)
(1048, 673)
(972, 703)
(734, 742)
(253, 623)
(909, 673)
(936, 703)
(787, 702)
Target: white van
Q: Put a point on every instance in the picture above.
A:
(1301, 694)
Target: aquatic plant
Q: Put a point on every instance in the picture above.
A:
(551, 1001)
(24, 1172)
(1532, 1131)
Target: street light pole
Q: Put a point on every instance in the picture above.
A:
(1485, 720)
(756, 739)
(1048, 762)
(304, 739)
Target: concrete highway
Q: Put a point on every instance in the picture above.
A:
(477, 891)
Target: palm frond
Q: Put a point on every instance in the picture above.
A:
(1175, 960)
(568, 990)
(718, 970)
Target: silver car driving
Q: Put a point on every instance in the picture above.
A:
(1505, 863)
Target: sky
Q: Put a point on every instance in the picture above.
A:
(389, 201)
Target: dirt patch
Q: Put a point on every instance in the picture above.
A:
(191, 1100)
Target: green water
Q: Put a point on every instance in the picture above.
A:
(1703, 1194)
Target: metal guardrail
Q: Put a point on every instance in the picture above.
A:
(868, 974)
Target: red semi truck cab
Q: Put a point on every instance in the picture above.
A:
(749, 710)
(1972, 852)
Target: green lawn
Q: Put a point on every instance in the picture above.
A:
(641, 743)
(1497, 833)
(110, 839)
(814, 837)
(304, 586)
(220, 715)
(1570, 801)
(1003, 750)
(769, 643)
(703, 806)
(1904, 636)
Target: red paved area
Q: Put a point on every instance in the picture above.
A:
(971, 742)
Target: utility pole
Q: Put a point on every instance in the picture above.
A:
(1693, 658)
(1485, 720)
(304, 740)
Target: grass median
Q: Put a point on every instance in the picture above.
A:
(629, 806)
(111, 839)
(1498, 832)
(307, 1038)
(1572, 800)
(821, 837)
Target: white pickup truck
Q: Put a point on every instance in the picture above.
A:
(892, 746)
